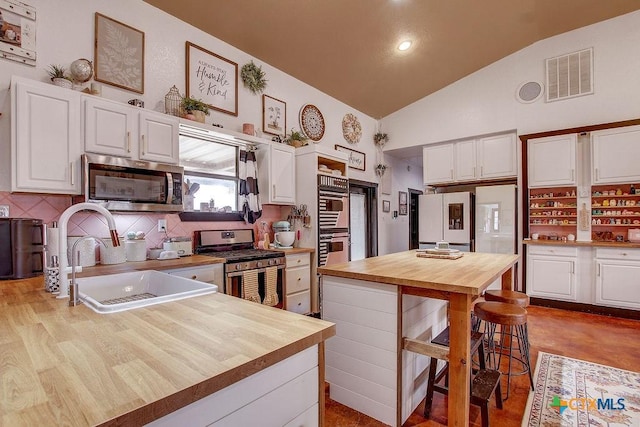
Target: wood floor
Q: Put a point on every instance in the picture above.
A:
(600, 339)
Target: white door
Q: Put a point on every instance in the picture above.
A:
(109, 127)
(159, 137)
(430, 218)
(358, 226)
(617, 283)
(552, 160)
(615, 155)
(495, 219)
(283, 174)
(496, 156)
(465, 168)
(551, 277)
(437, 163)
(457, 218)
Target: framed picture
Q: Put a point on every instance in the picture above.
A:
(402, 202)
(386, 206)
(18, 32)
(119, 54)
(274, 116)
(212, 79)
(357, 159)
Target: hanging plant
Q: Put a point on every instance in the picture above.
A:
(380, 139)
(253, 78)
(380, 169)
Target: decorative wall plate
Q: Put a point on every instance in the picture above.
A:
(351, 129)
(312, 122)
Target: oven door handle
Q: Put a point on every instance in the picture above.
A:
(260, 270)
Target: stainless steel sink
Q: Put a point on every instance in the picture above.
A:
(124, 291)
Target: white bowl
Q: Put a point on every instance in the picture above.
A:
(285, 238)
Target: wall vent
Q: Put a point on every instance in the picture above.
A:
(570, 75)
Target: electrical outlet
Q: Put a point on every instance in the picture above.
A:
(4, 211)
(162, 225)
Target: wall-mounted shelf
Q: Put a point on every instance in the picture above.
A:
(615, 208)
(553, 212)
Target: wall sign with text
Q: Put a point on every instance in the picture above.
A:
(356, 159)
(212, 79)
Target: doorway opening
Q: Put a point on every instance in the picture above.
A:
(414, 241)
(363, 219)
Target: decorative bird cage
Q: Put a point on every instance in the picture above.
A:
(172, 102)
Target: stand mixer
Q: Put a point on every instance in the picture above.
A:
(282, 234)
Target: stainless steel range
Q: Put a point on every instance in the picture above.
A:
(236, 247)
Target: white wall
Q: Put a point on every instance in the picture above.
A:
(65, 32)
(484, 102)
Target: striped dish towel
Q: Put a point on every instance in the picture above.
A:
(250, 286)
(271, 287)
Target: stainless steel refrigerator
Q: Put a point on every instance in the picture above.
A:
(446, 217)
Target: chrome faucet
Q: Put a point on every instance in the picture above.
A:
(62, 224)
(74, 298)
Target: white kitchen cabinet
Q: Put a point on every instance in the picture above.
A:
(45, 138)
(465, 165)
(615, 153)
(117, 129)
(212, 273)
(497, 156)
(298, 283)
(277, 173)
(273, 396)
(552, 161)
(438, 163)
(617, 273)
(552, 272)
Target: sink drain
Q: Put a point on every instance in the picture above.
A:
(128, 298)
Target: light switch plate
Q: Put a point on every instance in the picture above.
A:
(4, 211)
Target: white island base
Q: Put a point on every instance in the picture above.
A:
(361, 359)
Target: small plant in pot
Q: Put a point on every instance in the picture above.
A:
(194, 109)
(380, 169)
(296, 139)
(59, 76)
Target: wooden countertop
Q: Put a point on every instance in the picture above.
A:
(588, 244)
(467, 275)
(150, 264)
(63, 365)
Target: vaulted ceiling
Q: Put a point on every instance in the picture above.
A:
(348, 48)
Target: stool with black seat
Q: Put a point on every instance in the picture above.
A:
(512, 319)
(483, 384)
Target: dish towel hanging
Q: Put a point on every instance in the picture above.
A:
(271, 287)
(250, 286)
(248, 189)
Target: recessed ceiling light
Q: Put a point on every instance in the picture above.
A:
(404, 45)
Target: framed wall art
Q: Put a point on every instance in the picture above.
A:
(119, 54)
(18, 32)
(212, 79)
(386, 206)
(402, 202)
(357, 159)
(274, 116)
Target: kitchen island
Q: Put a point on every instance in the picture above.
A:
(384, 305)
(63, 365)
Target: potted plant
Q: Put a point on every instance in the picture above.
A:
(380, 139)
(253, 78)
(380, 169)
(194, 109)
(59, 76)
(296, 139)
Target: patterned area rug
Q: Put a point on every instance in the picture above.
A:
(571, 392)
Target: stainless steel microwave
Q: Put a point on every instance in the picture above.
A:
(120, 184)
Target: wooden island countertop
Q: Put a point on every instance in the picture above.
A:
(65, 365)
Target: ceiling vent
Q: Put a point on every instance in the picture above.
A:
(570, 75)
(529, 92)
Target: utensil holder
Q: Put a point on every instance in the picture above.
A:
(52, 279)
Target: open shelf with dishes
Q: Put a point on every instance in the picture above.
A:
(553, 213)
(615, 209)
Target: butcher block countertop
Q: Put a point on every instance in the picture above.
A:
(474, 270)
(588, 244)
(150, 264)
(63, 365)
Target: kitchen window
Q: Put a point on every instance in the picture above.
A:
(210, 164)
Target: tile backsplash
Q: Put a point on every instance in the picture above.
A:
(48, 208)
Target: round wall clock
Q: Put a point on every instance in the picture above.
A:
(312, 122)
(351, 129)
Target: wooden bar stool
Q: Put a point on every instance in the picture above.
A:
(513, 327)
(483, 384)
(509, 297)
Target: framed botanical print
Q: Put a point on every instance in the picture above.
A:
(212, 79)
(386, 206)
(402, 202)
(119, 54)
(274, 116)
